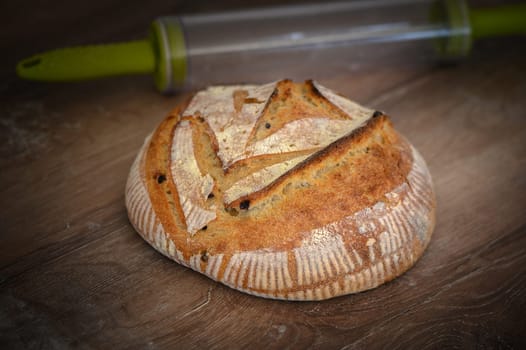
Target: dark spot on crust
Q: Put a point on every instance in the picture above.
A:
(161, 178)
(204, 256)
(376, 114)
(287, 93)
(239, 97)
(244, 205)
(232, 211)
(313, 89)
(211, 195)
(267, 125)
(252, 100)
(204, 228)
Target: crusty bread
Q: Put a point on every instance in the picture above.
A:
(285, 191)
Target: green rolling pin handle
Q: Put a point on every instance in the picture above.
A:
(86, 62)
(163, 55)
(498, 21)
(468, 24)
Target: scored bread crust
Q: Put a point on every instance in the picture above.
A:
(338, 214)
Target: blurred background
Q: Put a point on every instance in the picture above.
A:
(74, 274)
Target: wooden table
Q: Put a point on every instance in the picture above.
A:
(74, 274)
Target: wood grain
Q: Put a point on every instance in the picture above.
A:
(74, 274)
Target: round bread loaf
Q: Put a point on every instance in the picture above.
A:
(285, 191)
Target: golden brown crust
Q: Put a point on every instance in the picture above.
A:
(291, 101)
(360, 181)
(347, 177)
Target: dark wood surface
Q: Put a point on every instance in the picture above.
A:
(74, 274)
